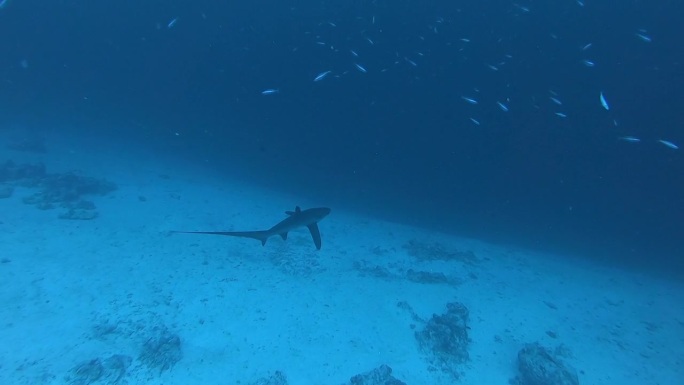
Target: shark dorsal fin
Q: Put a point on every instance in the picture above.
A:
(297, 211)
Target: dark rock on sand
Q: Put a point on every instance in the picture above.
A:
(444, 339)
(538, 366)
(78, 214)
(379, 376)
(110, 371)
(55, 190)
(277, 378)
(161, 351)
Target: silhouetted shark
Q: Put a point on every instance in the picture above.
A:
(299, 218)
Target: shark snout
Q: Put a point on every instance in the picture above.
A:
(321, 212)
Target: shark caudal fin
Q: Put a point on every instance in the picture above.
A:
(258, 235)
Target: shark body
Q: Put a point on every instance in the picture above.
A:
(308, 218)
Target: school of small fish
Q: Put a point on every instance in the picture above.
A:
(358, 57)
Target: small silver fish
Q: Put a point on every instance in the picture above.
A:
(322, 76)
(643, 37)
(469, 100)
(270, 91)
(630, 139)
(669, 144)
(604, 102)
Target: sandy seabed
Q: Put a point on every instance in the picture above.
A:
(120, 300)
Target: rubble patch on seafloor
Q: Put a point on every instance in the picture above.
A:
(537, 365)
(297, 264)
(444, 340)
(277, 378)
(122, 351)
(54, 190)
(397, 272)
(430, 277)
(161, 351)
(424, 251)
(381, 375)
(108, 371)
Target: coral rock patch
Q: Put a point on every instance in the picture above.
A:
(162, 351)
(110, 371)
(65, 190)
(444, 340)
(538, 366)
(381, 375)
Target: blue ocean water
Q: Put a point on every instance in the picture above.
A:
(548, 125)
(398, 139)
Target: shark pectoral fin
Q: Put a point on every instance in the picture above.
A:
(315, 234)
(284, 236)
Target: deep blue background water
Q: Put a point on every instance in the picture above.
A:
(398, 140)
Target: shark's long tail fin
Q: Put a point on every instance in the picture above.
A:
(258, 235)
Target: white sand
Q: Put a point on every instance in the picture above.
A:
(243, 311)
